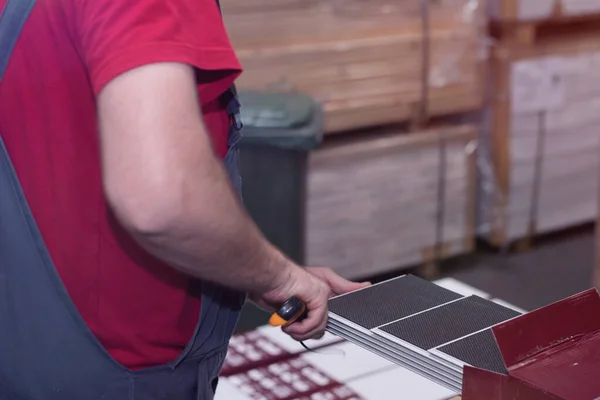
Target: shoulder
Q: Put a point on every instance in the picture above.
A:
(117, 35)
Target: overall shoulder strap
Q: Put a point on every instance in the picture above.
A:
(12, 19)
(232, 88)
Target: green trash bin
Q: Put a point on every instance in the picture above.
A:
(280, 130)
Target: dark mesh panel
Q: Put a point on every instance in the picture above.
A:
(390, 301)
(449, 322)
(479, 350)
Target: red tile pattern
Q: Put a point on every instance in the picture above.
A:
(290, 379)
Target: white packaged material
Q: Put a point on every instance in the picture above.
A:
(535, 9)
(391, 201)
(537, 85)
(541, 10)
(580, 7)
(540, 171)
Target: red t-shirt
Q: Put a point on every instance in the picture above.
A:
(142, 311)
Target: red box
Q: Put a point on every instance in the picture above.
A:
(552, 353)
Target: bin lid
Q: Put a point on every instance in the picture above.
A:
(288, 120)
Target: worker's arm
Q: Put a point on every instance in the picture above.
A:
(170, 191)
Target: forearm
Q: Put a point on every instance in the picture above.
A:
(213, 238)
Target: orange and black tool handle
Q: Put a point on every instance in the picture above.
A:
(293, 310)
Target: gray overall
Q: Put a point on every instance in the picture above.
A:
(47, 351)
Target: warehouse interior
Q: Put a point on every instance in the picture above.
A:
(560, 266)
(453, 140)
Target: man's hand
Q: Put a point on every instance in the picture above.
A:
(313, 291)
(314, 286)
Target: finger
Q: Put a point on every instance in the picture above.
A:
(312, 327)
(307, 337)
(339, 285)
(317, 333)
(320, 336)
(306, 329)
(311, 335)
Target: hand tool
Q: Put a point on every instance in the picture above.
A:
(293, 310)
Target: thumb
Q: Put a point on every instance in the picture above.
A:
(339, 285)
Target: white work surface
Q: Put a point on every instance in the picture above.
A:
(340, 371)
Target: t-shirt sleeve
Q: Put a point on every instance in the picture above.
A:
(119, 35)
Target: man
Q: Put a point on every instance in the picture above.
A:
(125, 254)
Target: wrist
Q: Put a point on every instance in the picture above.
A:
(276, 271)
(284, 278)
(282, 271)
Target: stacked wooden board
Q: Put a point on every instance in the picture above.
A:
(377, 200)
(536, 10)
(539, 163)
(391, 200)
(368, 63)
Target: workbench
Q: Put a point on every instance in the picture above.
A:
(267, 364)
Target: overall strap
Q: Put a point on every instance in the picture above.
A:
(13, 18)
(231, 100)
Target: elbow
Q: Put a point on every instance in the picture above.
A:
(145, 213)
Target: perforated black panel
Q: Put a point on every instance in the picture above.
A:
(479, 350)
(390, 301)
(449, 322)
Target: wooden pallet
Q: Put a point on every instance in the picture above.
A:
(368, 65)
(535, 33)
(540, 160)
(541, 10)
(374, 202)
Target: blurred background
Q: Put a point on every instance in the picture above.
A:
(443, 138)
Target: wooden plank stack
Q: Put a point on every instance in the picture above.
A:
(507, 11)
(391, 201)
(388, 189)
(539, 163)
(369, 63)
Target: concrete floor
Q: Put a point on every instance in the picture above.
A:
(554, 269)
